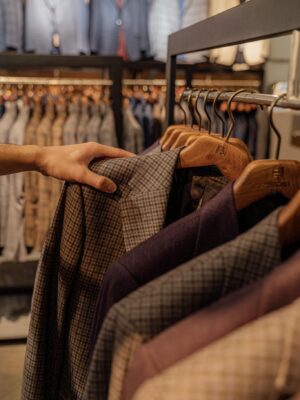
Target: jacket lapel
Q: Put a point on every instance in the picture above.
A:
(144, 205)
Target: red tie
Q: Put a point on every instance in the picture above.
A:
(122, 41)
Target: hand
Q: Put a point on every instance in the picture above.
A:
(71, 163)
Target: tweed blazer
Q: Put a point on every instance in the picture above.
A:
(91, 230)
(278, 289)
(175, 295)
(71, 124)
(258, 361)
(107, 132)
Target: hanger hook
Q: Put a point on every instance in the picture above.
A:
(205, 109)
(273, 105)
(197, 110)
(189, 101)
(216, 111)
(232, 122)
(181, 108)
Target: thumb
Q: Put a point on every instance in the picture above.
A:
(98, 182)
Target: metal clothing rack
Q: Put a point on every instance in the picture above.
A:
(254, 20)
(111, 63)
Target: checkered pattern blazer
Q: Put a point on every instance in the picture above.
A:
(174, 296)
(91, 230)
(259, 361)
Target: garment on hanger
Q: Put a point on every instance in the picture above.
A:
(164, 19)
(71, 124)
(31, 181)
(278, 289)
(107, 132)
(81, 133)
(255, 361)
(14, 247)
(58, 130)
(93, 126)
(133, 136)
(57, 26)
(6, 123)
(107, 19)
(215, 223)
(44, 188)
(100, 228)
(11, 25)
(177, 294)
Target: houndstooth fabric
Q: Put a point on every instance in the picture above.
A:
(91, 229)
(175, 295)
(260, 361)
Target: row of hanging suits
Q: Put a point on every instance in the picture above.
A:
(163, 290)
(28, 200)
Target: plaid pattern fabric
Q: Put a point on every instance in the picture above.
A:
(90, 231)
(175, 295)
(31, 182)
(11, 24)
(259, 361)
(43, 135)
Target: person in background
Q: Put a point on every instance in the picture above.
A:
(69, 163)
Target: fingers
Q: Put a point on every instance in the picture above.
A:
(97, 150)
(98, 182)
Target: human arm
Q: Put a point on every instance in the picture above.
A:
(68, 163)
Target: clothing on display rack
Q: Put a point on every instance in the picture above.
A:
(126, 22)
(189, 241)
(28, 200)
(57, 26)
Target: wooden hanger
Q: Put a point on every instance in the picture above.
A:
(187, 138)
(209, 150)
(264, 177)
(289, 222)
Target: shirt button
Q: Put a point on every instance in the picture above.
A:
(119, 22)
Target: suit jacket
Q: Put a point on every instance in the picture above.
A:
(14, 240)
(278, 289)
(56, 140)
(202, 230)
(107, 133)
(71, 124)
(93, 126)
(72, 17)
(133, 135)
(11, 24)
(258, 361)
(82, 125)
(172, 297)
(43, 135)
(91, 230)
(105, 31)
(6, 123)
(31, 182)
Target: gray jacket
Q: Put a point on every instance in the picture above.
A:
(105, 29)
(72, 18)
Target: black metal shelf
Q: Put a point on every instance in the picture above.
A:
(254, 20)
